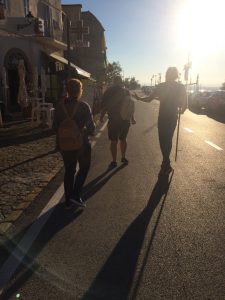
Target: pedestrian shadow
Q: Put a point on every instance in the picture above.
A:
(115, 279)
(95, 185)
(59, 219)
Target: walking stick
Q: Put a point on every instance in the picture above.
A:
(178, 129)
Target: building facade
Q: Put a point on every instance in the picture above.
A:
(93, 58)
(34, 32)
(88, 40)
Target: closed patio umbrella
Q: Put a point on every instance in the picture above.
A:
(22, 98)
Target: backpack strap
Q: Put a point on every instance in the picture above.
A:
(73, 111)
(65, 110)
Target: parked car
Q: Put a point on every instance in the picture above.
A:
(199, 100)
(216, 102)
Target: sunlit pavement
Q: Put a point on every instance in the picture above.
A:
(137, 237)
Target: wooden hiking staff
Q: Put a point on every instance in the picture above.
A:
(178, 129)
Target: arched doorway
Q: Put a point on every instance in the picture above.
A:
(12, 59)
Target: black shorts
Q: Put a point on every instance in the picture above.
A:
(118, 130)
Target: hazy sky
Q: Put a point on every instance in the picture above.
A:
(147, 36)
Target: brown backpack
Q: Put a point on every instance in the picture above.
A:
(69, 136)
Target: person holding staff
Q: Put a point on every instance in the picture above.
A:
(173, 101)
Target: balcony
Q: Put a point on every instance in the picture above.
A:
(49, 33)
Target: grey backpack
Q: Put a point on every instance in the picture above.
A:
(127, 108)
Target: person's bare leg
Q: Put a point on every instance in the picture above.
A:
(123, 148)
(113, 149)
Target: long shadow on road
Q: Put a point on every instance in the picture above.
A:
(115, 280)
(59, 219)
(95, 185)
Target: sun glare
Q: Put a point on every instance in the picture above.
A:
(201, 25)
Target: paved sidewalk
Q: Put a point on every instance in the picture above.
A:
(25, 169)
(28, 162)
(20, 132)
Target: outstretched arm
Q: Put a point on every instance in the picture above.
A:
(143, 99)
(153, 95)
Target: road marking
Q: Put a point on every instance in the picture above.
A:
(214, 145)
(12, 263)
(188, 129)
(208, 142)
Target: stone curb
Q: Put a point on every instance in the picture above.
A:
(21, 207)
(28, 137)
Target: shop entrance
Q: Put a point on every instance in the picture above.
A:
(13, 84)
(12, 59)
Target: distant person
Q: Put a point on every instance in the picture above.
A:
(173, 100)
(73, 123)
(113, 101)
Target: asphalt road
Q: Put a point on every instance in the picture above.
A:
(138, 239)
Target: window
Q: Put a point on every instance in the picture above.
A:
(26, 6)
(4, 3)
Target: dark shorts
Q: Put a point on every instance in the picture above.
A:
(118, 130)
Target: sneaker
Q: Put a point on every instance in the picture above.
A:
(78, 201)
(112, 165)
(124, 160)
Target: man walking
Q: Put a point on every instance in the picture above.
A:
(118, 128)
(173, 101)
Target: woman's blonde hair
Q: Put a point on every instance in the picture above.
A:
(172, 74)
(74, 88)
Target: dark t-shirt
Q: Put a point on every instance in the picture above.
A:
(171, 96)
(112, 101)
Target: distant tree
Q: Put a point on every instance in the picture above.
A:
(127, 83)
(223, 86)
(134, 83)
(131, 83)
(112, 69)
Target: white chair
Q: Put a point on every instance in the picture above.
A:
(42, 111)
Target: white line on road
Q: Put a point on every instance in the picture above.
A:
(12, 263)
(188, 129)
(214, 145)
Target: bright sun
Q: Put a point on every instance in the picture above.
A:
(201, 26)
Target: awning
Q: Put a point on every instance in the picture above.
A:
(79, 71)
